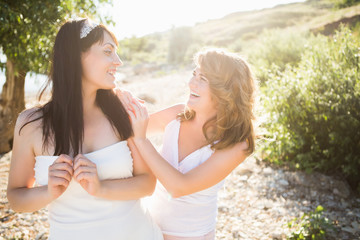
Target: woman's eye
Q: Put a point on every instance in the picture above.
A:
(108, 52)
(203, 78)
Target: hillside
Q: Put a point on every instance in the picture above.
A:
(249, 24)
(239, 28)
(303, 16)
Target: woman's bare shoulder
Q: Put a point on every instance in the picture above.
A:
(28, 120)
(160, 119)
(170, 112)
(177, 108)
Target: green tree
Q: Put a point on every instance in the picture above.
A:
(27, 32)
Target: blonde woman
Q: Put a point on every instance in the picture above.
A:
(203, 142)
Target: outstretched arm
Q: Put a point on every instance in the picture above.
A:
(158, 120)
(209, 173)
(215, 169)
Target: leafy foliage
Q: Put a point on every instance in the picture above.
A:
(311, 226)
(150, 49)
(313, 109)
(276, 48)
(28, 28)
(345, 3)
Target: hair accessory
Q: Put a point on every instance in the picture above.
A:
(87, 27)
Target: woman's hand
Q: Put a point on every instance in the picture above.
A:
(139, 119)
(60, 174)
(85, 173)
(136, 110)
(126, 97)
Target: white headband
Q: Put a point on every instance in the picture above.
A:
(87, 27)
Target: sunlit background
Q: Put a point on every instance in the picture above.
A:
(138, 17)
(306, 58)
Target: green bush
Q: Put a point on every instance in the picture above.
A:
(311, 226)
(314, 109)
(149, 49)
(345, 3)
(180, 39)
(277, 47)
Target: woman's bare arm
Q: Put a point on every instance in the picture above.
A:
(158, 120)
(22, 196)
(209, 173)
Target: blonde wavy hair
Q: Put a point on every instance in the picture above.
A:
(233, 88)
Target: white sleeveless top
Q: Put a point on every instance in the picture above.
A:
(79, 215)
(187, 216)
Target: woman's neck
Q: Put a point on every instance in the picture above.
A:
(200, 119)
(89, 101)
(203, 115)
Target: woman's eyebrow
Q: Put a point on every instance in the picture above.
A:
(109, 43)
(203, 76)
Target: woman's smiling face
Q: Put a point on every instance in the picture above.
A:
(99, 64)
(200, 98)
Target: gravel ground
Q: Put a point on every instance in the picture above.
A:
(255, 203)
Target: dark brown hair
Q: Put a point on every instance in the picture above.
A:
(62, 116)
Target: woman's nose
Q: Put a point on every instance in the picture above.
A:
(117, 61)
(192, 81)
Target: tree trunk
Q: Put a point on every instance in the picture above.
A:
(12, 102)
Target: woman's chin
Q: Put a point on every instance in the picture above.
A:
(191, 105)
(113, 85)
(109, 85)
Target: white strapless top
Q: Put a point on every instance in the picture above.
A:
(192, 215)
(79, 215)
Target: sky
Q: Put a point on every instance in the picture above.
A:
(141, 17)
